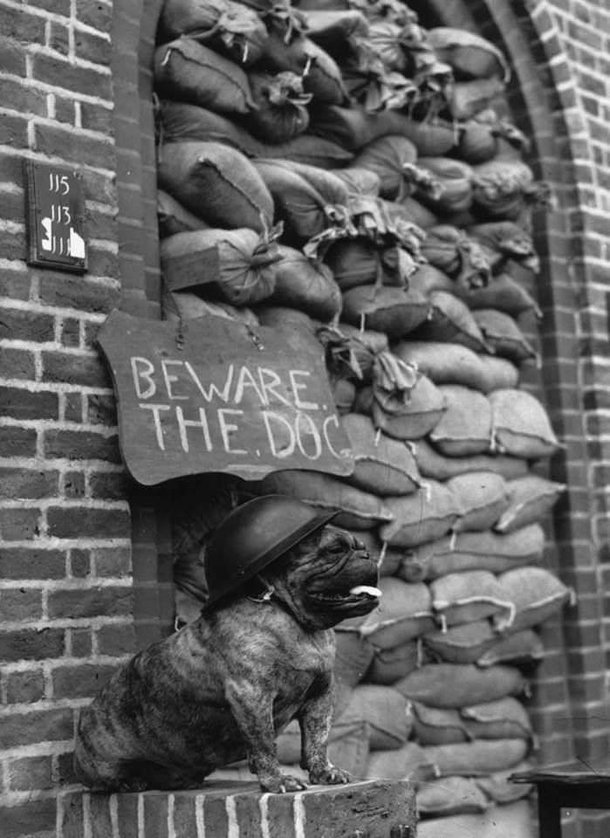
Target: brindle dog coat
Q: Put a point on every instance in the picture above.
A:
(224, 686)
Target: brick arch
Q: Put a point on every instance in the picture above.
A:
(134, 25)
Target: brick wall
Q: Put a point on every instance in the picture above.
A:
(66, 599)
(83, 579)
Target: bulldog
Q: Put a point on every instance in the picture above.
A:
(222, 688)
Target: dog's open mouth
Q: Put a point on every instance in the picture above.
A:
(358, 594)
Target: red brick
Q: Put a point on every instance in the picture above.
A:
(73, 407)
(81, 445)
(31, 563)
(109, 485)
(80, 563)
(13, 129)
(59, 37)
(19, 403)
(112, 561)
(74, 485)
(81, 643)
(30, 773)
(107, 601)
(21, 27)
(80, 681)
(86, 295)
(19, 524)
(12, 57)
(56, 141)
(73, 368)
(31, 644)
(70, 805)
(18, 363)
(25, 687)
(92, 47)
(25, 820)
(101, 409)
(70, 332)
(116, 640)
(20, 604)
(94, 14)
(103, 263)
(19, 729)
(155, 817)
(21, 483)
(64, 74)
(14, 284)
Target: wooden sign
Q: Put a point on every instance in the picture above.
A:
(221, 397)
(55, 217)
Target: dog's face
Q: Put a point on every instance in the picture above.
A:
(325, 579)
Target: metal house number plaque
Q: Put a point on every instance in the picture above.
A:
(55, 217)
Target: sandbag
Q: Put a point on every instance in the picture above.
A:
(468, 98)
(190, 72)
(432, 463)
(521, 426)
(392, 158)
(427, 279)
(217, 183)
(453, 685)
(499, 788)
(465, 427)
(451, 796)
(230, 27)
(180, 121)
(505, 718)
(430, 512)
(344, 395)
(502, 293)
(419, 413)
(477, 758)
(184, 305)
(390, 665)
(305, 284)
(531, 498)
(513, 820)
(174, 218)
(302, 56)
(504, 336)
(354, 128)
(411, 762)
(462, 258)
(359, 261)
(470, 596)
(281, 111)
(504, 188)
(437, 726)
(393, 311)
(455, 178)
(504, 241)
(404, 613)
(385, 711)
(498, 373)
(468, 54)
(353, 656)
(444, 363)
(298, 203)
(536, 594)
(333, 29)
(474, 551)
(483, 496)
(462, 643)
(350, 352)
(360, 510)
(238, 265)
(451, 321)
(524, 648)
(383, 465)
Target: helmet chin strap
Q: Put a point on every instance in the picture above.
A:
(268, 593)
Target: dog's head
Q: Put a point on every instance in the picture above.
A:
(325, 579)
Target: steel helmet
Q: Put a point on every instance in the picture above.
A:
(252, 536)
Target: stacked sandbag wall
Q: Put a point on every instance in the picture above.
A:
(336, 169)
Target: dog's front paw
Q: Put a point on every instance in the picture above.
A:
(330, 776)
(281, 784)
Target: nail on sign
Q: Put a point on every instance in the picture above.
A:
(225, 398)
